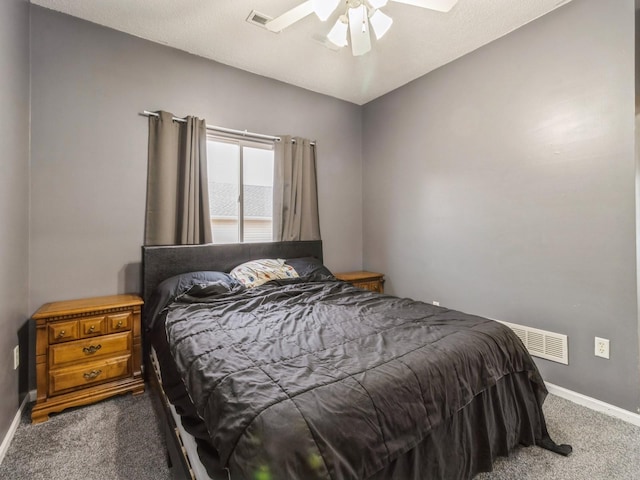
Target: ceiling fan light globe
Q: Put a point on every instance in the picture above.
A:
(324, 8)
(380, 23)
(338, 34)
(377, 3)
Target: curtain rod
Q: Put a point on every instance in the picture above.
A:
(214, 128)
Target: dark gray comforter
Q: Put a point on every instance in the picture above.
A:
(322, 380)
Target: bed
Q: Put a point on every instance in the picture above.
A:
(313, 378)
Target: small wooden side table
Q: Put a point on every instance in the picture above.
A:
(86, 350)
(367, 280)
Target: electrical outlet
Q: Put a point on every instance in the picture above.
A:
(437, 304)
(16, 356)
(602, 347)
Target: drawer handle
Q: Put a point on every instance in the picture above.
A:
(119, 324)
(61, 334)
(92, 328)
(91, 349)
(92, 374)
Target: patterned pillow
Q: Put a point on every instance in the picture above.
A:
(254, 273)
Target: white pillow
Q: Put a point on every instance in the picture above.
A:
(256, 272)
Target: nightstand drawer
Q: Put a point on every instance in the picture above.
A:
(63, 331)
(88, 374)
(86, 350)
(119, 322)
(92, 326)
(374, 286)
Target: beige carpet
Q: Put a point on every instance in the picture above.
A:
(116, 439)
(604, 448)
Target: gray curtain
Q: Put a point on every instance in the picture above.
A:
(295, 191)
(177, 191)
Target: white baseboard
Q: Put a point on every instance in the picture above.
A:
(594, 404)
(4, 446)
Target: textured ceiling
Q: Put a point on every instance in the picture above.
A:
(419, 40)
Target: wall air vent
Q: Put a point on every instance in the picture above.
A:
(543, 344)
(258, 18)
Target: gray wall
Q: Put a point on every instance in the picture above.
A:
(502, 184)
(89, 149)
(14, 194)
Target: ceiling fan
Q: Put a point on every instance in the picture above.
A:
(359, 17)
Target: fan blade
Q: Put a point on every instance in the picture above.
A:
(437, 5)
(289, 18)
(359, 27)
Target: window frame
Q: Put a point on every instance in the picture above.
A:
(242, 142)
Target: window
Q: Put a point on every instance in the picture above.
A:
(240, 190)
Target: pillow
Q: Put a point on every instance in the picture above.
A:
(210, 289)
(172, 287)
(256, 272)
(310, 268)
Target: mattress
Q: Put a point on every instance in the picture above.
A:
(299, 379)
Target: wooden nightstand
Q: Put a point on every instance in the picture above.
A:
(367, 280)
(86, 350)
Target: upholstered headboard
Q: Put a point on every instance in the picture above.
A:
(160, 263)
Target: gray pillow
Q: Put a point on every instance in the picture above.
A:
(310, 268)
(172, 287)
